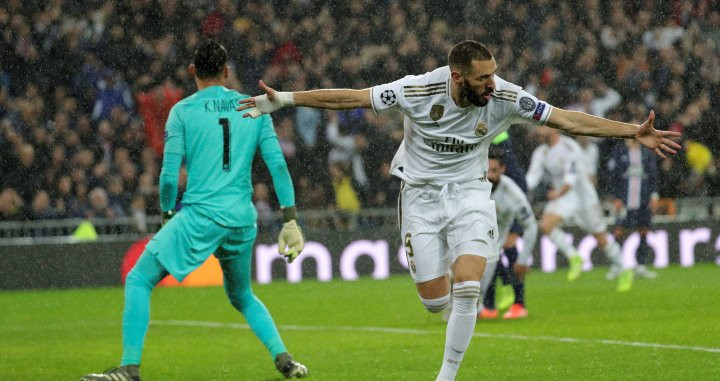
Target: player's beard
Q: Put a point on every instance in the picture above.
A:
(468, 93)
(494, 184)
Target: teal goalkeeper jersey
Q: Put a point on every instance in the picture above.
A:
(219, 146)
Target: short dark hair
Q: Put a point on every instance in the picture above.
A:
(210, 59)
(497, 153)
(463, 53)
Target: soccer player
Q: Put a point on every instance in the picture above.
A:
(510, 286)
(447, 219)
(513, 168)
(572, 199)
(218, 215)
(636, 191)
(511, 205)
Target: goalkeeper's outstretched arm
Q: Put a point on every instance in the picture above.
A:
(331, 99)
(290, 241)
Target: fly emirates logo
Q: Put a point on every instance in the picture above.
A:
(450, 144)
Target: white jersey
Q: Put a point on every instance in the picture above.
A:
(562, 164)
(445, 143)
(591, 158)
(511, 204)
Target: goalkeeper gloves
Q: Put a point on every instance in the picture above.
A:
(166, 216)
(290, 241)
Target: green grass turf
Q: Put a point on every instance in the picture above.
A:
(60, 335)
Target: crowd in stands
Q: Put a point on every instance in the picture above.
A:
(85, 87)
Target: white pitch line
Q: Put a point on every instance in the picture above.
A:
(408, 331)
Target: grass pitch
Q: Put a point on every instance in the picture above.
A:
(667, 328)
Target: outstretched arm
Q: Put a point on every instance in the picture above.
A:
(290, 241)
(332, 99)
(580, 123)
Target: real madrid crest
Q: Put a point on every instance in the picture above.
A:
(436, 112)
(481, 129)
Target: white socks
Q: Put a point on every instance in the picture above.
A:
(614, 253)
(460, 328)
(557, 236)
(612, 249)
(436, 305)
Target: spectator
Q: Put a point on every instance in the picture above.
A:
(307, 120)
(26, 177)
(671, 172)
(41, 208)
(62, 196)
(698, 156)
(12, 207)
(286, 137)
(266, 220)
(99, 177)
(139, 213)
(121, 157)
(387, 189)
(118, 197)
(310, 194)
(97, 79)
(149, 162)
(154, 107)
(57, 167)
(148, 190)
(105, 138)
(112, 91)
(702, 165)
(79, 204)
(99, 205)
(346, 149)
(604, 98)
(128, 172)
(347, 201)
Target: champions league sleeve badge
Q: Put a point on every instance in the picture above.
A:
(527, 104)
(388, 97)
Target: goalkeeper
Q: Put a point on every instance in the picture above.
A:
(218, 215)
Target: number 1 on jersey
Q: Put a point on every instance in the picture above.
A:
(225, 123)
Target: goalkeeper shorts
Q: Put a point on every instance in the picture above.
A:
(188, 239)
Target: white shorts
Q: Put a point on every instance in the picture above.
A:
(440, 223)
(570, 207)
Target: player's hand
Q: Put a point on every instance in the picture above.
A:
(166, 216)
(654, 204)
(520, 271)
(619, 233)
(657, 140)
(264, 104)
(290, 241)
(618, 205)
(552, 194)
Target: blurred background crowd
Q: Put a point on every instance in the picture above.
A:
(85, 87)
